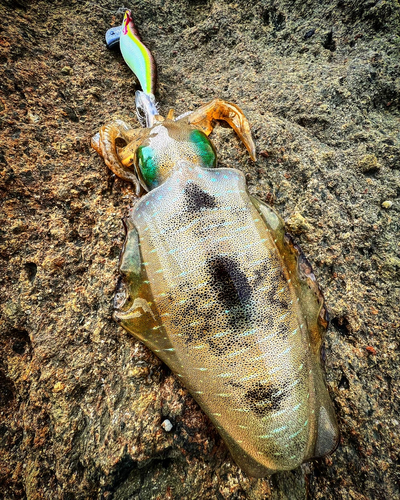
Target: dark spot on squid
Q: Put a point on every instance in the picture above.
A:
(217, 346)
(283, 331)
(231, 287)
(183, 314)
(271, 266)
(276, 299)
(281, 275)
(229, 281)
(196, 198)
(261, 273)
(263, 398)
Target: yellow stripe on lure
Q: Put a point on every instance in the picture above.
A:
(137, 56)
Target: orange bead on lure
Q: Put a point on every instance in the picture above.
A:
(214, 286)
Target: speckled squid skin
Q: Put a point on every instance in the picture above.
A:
(214, 286)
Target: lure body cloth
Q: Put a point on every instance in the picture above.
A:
(137, 56)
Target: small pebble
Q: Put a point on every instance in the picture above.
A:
(298, 224)
(59, 386)
(166, 425)
(309, 33)
(368, 163)
(387, 204)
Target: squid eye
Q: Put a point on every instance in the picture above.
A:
(205, 148)
(147, 165)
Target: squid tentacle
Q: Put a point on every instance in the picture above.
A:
(105, 144)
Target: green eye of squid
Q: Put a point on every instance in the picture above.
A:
(147, 165)
(205, 148)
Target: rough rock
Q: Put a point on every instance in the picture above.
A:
(81, 402)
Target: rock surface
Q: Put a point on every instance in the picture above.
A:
(81, 402)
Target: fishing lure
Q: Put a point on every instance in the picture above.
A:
(137, 56)
(215, 287)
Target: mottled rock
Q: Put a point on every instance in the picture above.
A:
(81, 402)
(297, 224)
(368, 163)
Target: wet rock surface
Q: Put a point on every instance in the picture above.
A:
(81, 402)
